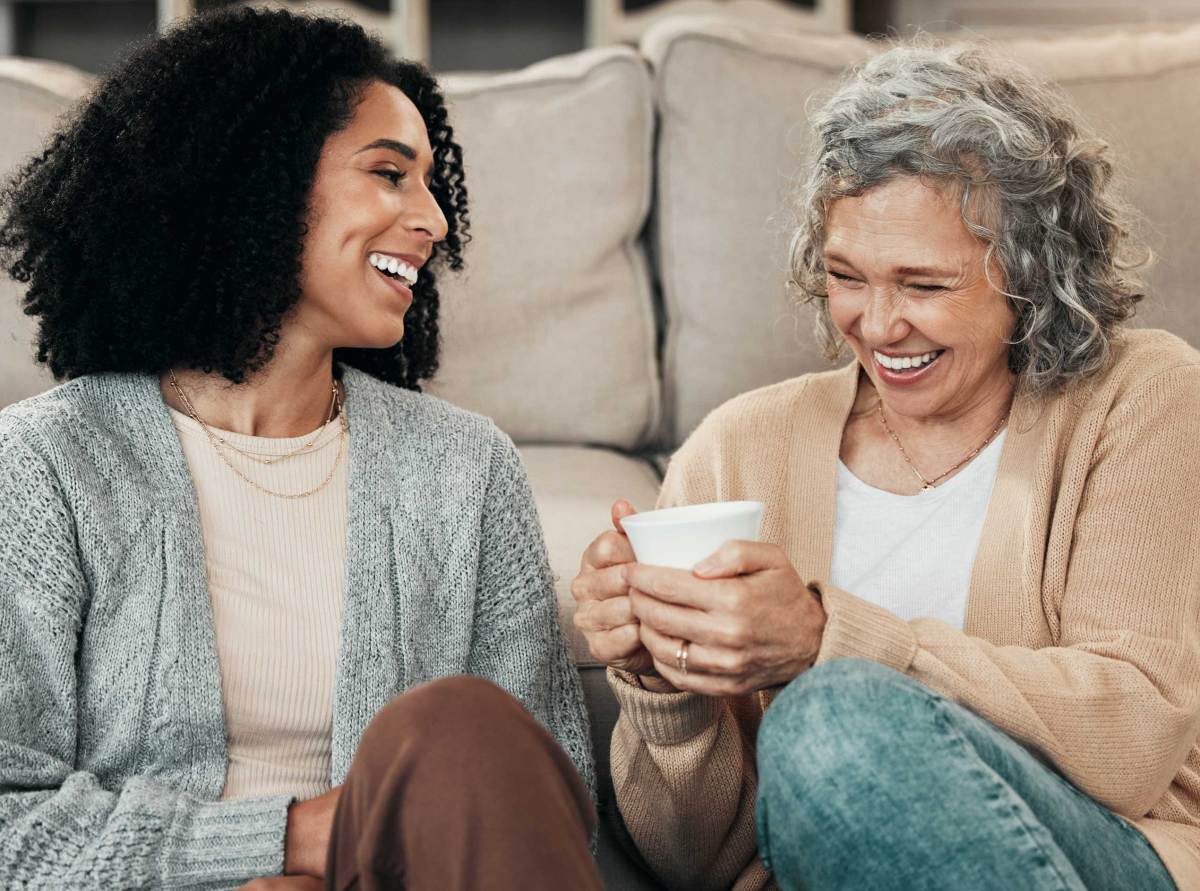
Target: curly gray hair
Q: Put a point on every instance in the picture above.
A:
(1031, 186)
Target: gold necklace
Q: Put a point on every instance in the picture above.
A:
(929, 484)
(259, 457)
(343, 435)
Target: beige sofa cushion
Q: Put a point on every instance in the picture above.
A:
(575, 487)
(733, 142)
(551, 329)
(1140, 92)
(732, 117)
(33, 94)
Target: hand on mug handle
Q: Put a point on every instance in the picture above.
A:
(604, 614)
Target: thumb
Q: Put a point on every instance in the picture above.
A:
(621, 510)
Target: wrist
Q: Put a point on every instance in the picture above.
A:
(656, 683)
(296, 847)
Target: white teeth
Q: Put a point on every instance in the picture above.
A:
(899, 363)
(407, 272)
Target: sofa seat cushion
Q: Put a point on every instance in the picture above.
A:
(575, 487)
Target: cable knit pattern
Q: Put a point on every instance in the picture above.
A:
(112, 739)
(1081, 636)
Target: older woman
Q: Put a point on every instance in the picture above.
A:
(268, 614)
(966, 652)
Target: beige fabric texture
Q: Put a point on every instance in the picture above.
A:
(551, 329)
(575, 488)
(33, 94)
(731, 105)
(734, 140)
(1139, 93)
(1080, 638)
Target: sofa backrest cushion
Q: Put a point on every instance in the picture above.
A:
(732, 124)
(33, 94)
(551, 328)
(733, 143)
(1140, 92)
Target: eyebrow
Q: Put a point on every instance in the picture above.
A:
(398, 147)
(927, 271)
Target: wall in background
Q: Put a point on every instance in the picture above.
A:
(1036, 15)
(89, 34)
(491, 35)
(477, 35)
(465, 35)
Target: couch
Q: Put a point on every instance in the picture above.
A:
(631, 211)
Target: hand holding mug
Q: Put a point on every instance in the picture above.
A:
(748, 619)
(604, 614)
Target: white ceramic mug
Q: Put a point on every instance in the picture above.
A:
(680, 537)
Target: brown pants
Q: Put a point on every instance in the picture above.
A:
(455, 786)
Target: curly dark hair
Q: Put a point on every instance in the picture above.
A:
(163, 224)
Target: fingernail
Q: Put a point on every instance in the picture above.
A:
(705, 566)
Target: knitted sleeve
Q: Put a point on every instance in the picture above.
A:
(61, 827)
(518, 642)
(682, 770)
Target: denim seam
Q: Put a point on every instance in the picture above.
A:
(761, 817)
(957, 739)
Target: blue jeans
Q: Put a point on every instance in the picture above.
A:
(868, 779)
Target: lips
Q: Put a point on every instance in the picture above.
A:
(395, 284)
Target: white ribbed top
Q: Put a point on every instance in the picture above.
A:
(913, 554)
(275, 576)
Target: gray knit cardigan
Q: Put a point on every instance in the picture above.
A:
(112, 736)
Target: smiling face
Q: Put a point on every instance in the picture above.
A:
(371, 205)
(908, 292)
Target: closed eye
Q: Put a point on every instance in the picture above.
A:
(392, 175)
(929, 289)
(842, 277)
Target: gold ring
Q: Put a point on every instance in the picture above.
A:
(681, 656)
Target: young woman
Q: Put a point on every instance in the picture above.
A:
(239, 532)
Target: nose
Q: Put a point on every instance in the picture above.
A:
(425, 214)
(882, 319)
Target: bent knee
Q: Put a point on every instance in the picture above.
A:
(834, 718)
(462, 704)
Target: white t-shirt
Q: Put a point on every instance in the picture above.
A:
(912, 554)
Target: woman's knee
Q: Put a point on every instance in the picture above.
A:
(838, 695)
(458, 707)
(448, 718)
(830, 725)
(823, 745)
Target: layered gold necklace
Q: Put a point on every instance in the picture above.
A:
(930, 483)
(222, 446)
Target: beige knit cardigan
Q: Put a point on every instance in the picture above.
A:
(1082, 634)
